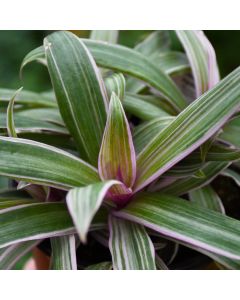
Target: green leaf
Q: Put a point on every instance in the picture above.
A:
(197, 123)
(10, 118)
(187, 184)
(232, 174)
(202, 59)
(186, 222)
(160, 263)
(25, 124)
(117, 155)
(129, 61)
(27, 98)
(109, 36)
(208, 198)
(231, 132)
(116, 83)
(130, 246)
(134, 104)
(6, 202)
(106, 265)
(44, 114)
(79, 90)
(38, 221)
(83, 203)
(144, 133)
(10, 255)
(63, 253)
(42, 164)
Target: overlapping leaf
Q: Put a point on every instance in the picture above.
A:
(79, 91)
(130, 246)
(183, 221)
(198, 122)
(39, 163)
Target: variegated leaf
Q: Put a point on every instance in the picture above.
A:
(197, 123)
(117, 155)
(130, 246)
(63, 253)
(79, 90)
(186, 222)
(83, 203)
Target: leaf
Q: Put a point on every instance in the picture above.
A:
(208, 198)
(42, 164)
(6, 202)
(25, 124)
(79, 91)
(232, 174)
(117, 155)
(106, 265)
(187, 184)
(134, 104)
(44, 114)
(63, 253)
(116, 83)
(160, 263)
(129, 61)
(83, 203)
(146, 132)
(27, 98)
(10, 255)
(130, 246)
(231, 132)
(10, 118)
(197, 123)
(202, 59)
(109, 36)
(183, 221)
(38, 221)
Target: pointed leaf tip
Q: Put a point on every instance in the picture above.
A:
(117, 155)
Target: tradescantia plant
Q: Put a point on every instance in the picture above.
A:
(121, 154)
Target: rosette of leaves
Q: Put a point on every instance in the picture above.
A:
(121, 152)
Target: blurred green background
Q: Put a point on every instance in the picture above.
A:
(14, 45)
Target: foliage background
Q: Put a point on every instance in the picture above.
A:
(14, 45)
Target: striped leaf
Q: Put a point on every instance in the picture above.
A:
(128, 61)
(232, 174)
(202, 59)
(134, 104)
(160, 263)
(6, 202)
(109, 36)
(42, 164)
(117, 155)
(10, 255)
(100, 266)
(79, 91)
(83, 203)
(130, 246)
(208, 198)
(26, 124)
(37, 221)
(231, 132)
(183, 185)
(116, 83)
(183, 221)
(10, 118)
(63, 253)
(146, 132)
(197, 123)
(51, 115)
(27, 98)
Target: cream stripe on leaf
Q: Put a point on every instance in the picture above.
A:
(130, 246)
(63, 253)
(185, 222)
(79, 90)
(191, 128)
(83, 203)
